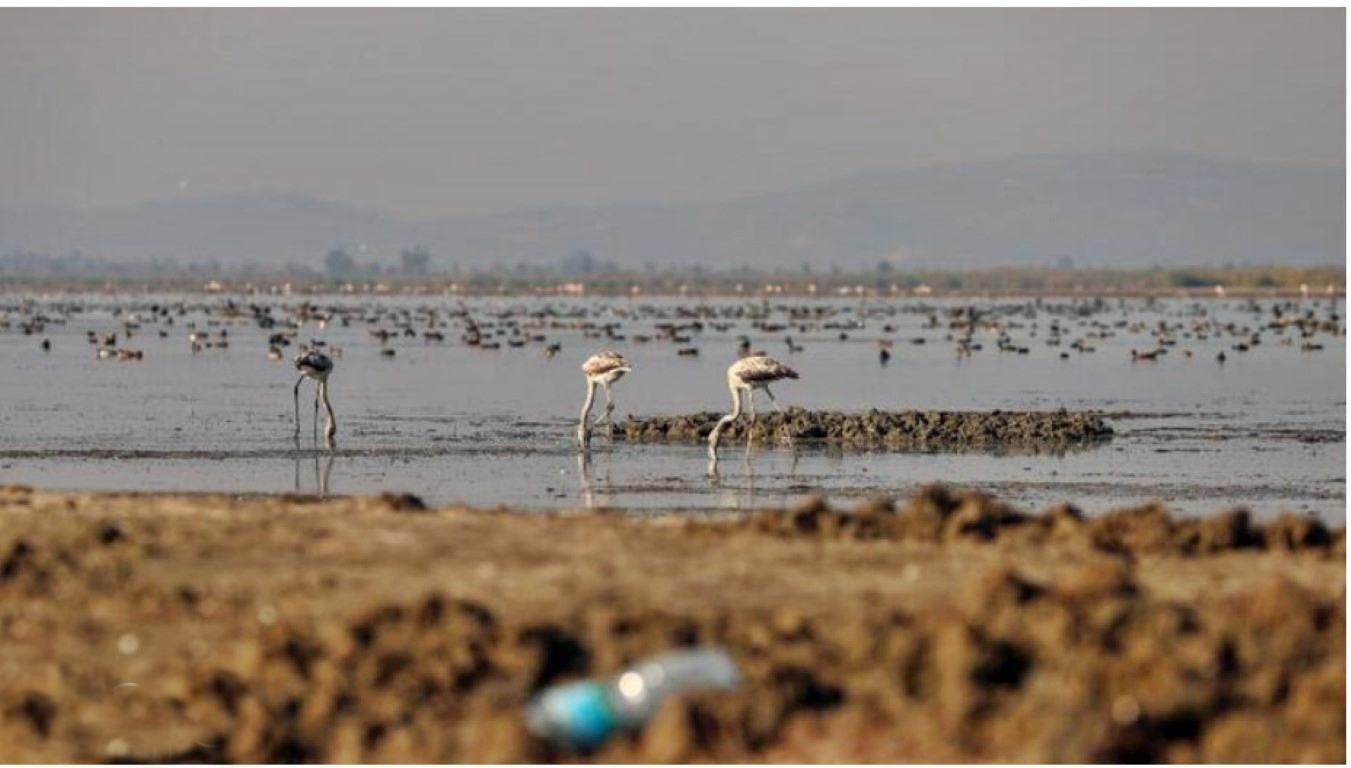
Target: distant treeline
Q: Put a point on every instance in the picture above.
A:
(27, 270)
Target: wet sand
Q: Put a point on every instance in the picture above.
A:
(949, 627)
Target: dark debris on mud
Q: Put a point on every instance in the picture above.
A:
(896, 430)
(939, 514)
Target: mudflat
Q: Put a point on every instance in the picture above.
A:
(912, 430)
(944, 627)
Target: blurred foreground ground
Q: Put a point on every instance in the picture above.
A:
(946, 628)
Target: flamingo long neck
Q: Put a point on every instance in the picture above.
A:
(590, 398)
(332, 426)
(736, 405)
(716, 434)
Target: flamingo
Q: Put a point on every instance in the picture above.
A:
(747, 375)
(315, 365)
(601, 369)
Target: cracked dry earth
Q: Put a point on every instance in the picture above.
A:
(944, 627)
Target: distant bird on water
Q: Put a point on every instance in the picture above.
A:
(602, 369)
(317, 366)
(747, 375)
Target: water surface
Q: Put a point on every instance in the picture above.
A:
(453, 423)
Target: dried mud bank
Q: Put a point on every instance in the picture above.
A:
(898, 430)
(948, 628)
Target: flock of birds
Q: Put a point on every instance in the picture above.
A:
(1074, 325)
(756, 370)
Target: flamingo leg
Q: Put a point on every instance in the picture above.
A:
(330, 423)
(777, 407)
(786, 434)
(750, 428)
(297, 401)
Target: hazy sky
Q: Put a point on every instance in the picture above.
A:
(453, 112)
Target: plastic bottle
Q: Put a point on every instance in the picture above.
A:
(583, 714)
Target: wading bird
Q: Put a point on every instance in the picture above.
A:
(747, 375)
(601, 369)
(315, 365)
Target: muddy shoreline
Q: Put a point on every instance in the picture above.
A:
(947, 627)
(895, 430)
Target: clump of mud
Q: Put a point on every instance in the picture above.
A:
(938, 514)
(979, 634)
(1087, 667)
(897, 430)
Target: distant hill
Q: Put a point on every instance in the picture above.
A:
(1127, 209)
(264, 229)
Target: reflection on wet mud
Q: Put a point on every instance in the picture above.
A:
(584, 477)
(596, 490)
(740, 496)
(321, 478)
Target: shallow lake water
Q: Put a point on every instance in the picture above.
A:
(449, 422)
